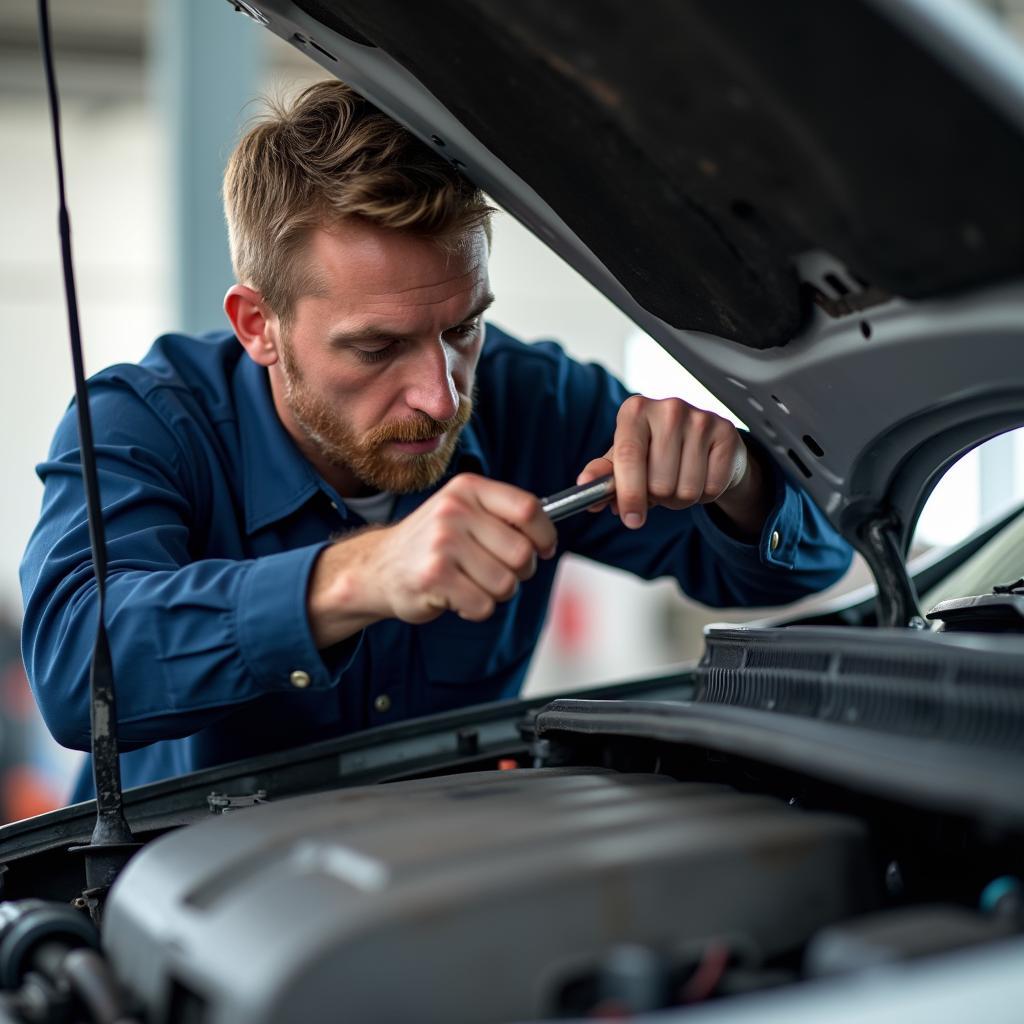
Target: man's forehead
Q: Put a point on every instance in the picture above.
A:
(372, 267)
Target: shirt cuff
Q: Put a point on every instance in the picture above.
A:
(273, 627)
(783, 527)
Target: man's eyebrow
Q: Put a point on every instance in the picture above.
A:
(372, 332)
(478, 310)
(368, 333)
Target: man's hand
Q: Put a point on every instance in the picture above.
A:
(666, 452)
(465, 549)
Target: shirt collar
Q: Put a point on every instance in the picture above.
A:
(277, 477)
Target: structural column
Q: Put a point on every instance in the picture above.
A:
(209, 64)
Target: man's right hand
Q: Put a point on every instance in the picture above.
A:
(465, 549)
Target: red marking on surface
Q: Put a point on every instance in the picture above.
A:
(708, 975)
(570, 619)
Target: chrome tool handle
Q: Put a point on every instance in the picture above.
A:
(575, 499)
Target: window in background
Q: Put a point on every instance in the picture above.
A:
(651, 371)
(981, 487)
(978, 488)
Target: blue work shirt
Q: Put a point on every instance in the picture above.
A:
(214, 520)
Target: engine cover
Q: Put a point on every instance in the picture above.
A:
(466, 898)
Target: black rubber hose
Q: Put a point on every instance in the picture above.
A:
(88, 975)
(92, 980)
(48, 957)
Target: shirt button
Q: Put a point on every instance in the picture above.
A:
(774, 542)
(300, 680)
(382, 703)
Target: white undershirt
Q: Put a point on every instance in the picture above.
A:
(375, 509)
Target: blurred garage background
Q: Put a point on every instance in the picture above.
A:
(153, 96)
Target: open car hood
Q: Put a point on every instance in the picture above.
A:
(817, 208)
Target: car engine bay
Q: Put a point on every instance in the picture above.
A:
(621, 857)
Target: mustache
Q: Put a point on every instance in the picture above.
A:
(420, 427)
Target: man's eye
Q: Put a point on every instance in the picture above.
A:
(465, 330)
(374, 355)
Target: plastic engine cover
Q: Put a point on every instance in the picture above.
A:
(465, 898)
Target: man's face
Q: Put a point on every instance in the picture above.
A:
(375, 375)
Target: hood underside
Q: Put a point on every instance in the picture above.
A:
(700, 149)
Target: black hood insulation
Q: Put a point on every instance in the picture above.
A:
(747, 134)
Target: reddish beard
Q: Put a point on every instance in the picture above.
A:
(369, 456)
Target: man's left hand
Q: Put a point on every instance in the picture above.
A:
(667, 452)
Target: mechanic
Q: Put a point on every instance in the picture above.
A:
(327, 519)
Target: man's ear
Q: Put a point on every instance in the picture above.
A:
(255, 325)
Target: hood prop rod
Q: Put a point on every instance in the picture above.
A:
(896, 602)
(112, 840)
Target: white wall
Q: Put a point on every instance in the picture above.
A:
(113, 184)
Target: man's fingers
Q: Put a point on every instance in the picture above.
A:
(664, 462)
(467, 599)
(509, 545)
(520, 509)
(465, 549)
(594, 470)
(487, 571)
(629, 454)
(666, 452)
(693, 470)
(470, 585)
(727, 465)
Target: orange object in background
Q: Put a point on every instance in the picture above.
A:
(18, 701)
(26, 792)
(28, 785)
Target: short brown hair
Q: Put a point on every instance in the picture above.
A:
(327, 156)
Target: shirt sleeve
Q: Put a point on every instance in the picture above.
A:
(190, 638)
(798, 552)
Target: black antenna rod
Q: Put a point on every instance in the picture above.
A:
(112, 841)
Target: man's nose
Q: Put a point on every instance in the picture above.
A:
(432, 389)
